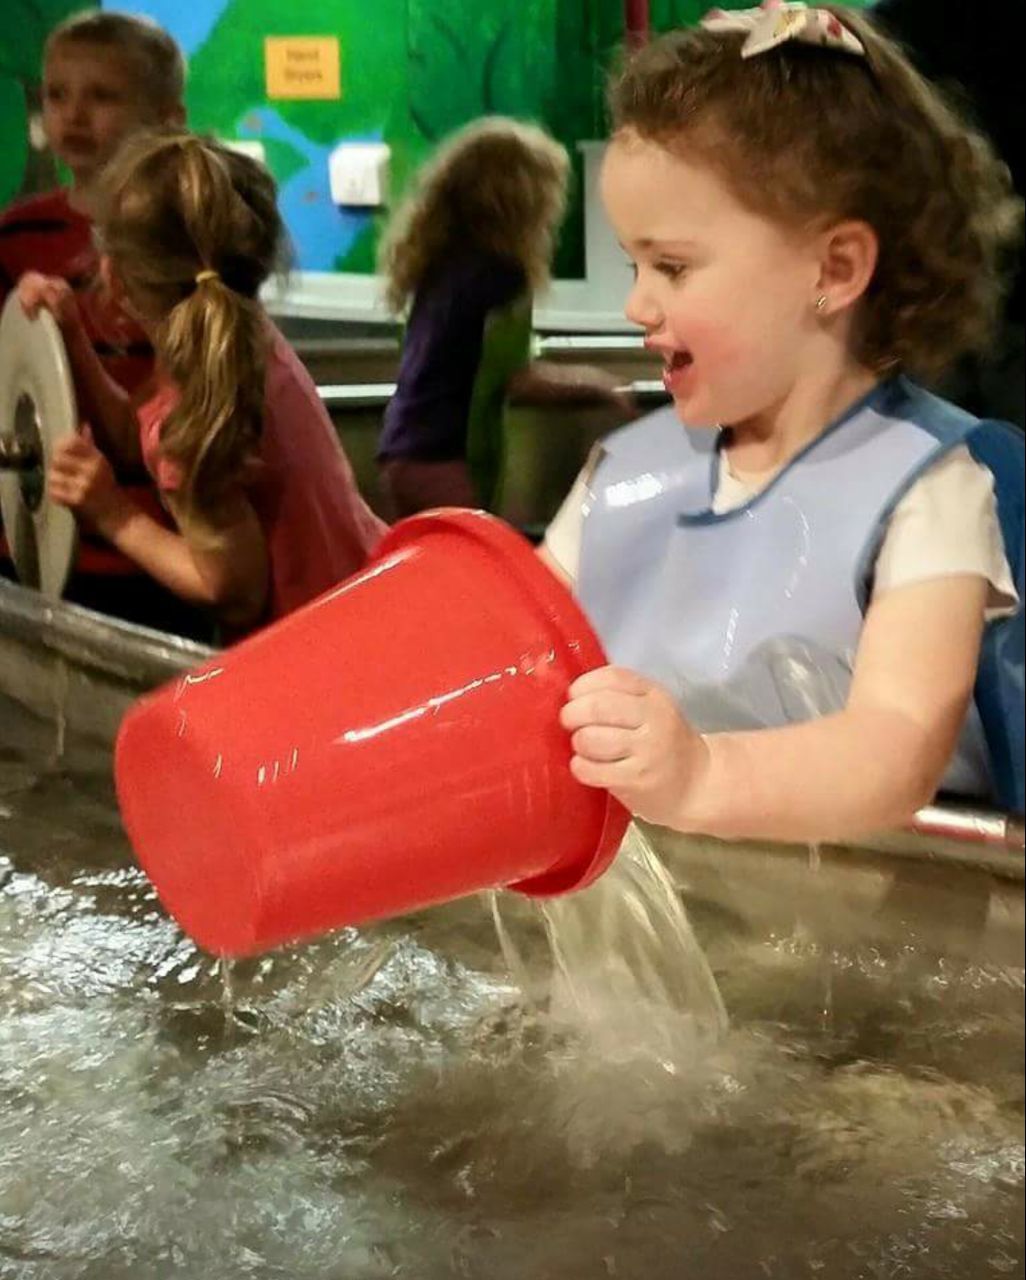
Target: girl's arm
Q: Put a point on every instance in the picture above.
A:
(105, 405)
(225, 567)
(866, 768)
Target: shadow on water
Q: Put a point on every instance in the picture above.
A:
(407, 1100)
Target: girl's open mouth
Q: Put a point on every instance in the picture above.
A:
(675, 366)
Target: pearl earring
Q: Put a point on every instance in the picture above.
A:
(821, 302)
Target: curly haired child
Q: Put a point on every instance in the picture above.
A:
(464, 255)
(794, 569)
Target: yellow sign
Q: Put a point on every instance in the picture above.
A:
(302, 67)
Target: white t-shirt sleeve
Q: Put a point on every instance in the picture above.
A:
(947, 524)
(563, 536)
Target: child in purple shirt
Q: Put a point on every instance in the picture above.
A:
(463, 258)
(426, 422)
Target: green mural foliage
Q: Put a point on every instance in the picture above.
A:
(282, 159)
(25, 27)
(500, 64)
(13, 138)
(362, 258)
(26, 24)
(509, 61)
(412, 72)
(227, 91)
(226, 75)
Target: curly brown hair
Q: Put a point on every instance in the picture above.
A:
(808, 136)
(498, 184)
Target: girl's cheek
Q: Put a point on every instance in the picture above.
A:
(697, 333)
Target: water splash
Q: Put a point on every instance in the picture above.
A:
(627, 1006)
(227, 994)
(622, 980)
(60, 701)
(628, 971)
(826, 1012)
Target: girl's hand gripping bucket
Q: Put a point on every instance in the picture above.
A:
(394, 744)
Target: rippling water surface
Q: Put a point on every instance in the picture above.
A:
(390, 1102)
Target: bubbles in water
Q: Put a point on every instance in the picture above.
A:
(630, 1005)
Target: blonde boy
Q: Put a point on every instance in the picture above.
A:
(105, 74)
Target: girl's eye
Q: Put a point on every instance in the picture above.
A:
(671, 270)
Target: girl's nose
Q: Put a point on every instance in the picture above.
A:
(641, 308)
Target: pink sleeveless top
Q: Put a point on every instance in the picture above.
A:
(318, 528)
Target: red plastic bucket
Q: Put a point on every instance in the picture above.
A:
(394, 744)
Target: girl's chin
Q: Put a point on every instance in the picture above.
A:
(695, 411)
(689, 396)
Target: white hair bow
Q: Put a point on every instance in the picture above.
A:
(775, 22)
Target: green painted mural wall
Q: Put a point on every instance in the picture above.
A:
(26, 22)
(411, 72)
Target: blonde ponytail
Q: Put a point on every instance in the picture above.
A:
(212, 346)
(193, 231)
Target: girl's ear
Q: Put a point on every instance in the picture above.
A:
(848, 256)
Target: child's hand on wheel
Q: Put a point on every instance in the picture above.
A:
(80, 477)
(49, 293)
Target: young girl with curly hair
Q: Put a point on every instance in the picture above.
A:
(794, 568)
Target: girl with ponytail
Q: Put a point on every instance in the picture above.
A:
(265, 505)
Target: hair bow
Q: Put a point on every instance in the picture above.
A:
(775, 22)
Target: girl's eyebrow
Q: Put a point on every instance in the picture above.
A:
(648, 242)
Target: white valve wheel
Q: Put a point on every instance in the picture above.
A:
(37, 408)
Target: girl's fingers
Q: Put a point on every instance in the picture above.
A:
(603, 745)
(62, 481)
(35, 295)
(78, 445)
(608, 708)
(66, 468)
(63, 495)
(613, 775)
(67, 479)
(64, 475)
